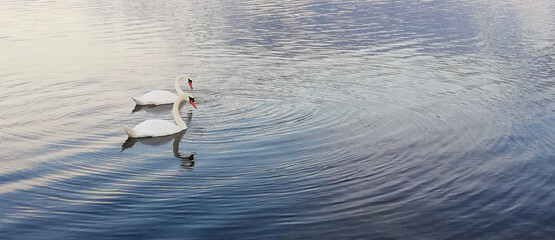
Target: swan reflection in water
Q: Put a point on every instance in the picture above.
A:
(152, 108)
(187, 161)
(155, 108)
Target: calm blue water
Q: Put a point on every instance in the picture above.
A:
(316, 120)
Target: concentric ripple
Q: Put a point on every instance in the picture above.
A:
(315, 120)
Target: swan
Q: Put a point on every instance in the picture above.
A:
(159, 97)
(157, 127)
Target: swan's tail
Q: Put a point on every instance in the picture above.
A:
(137, 101)
(130, 132)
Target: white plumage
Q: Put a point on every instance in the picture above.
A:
(159, 97)
(154, 128)
(156, 97)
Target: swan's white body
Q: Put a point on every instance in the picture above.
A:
(154, 128)
(157, 127)
(159, 97)
(156, 97)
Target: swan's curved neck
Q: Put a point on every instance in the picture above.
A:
(176, 116)
(177, 87)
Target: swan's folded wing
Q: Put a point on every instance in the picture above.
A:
(156, 97)
(156, 128)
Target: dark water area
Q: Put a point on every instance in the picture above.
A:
(315, 120)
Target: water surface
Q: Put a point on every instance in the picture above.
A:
(315, 120)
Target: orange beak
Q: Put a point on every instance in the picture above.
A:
(191, 84)
(192, 103)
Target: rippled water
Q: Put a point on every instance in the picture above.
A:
(316, 120)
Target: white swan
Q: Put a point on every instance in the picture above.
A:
(157, 127)
(159, 97)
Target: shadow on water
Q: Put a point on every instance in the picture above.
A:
(153, 108)
(187, 161)
(156, 108)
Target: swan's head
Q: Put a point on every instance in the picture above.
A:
(191, 100)
(189, 81)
